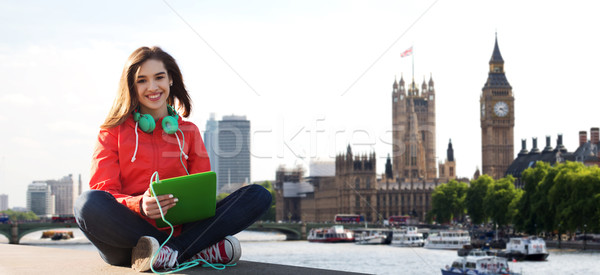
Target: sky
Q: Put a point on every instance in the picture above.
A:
(312, 76)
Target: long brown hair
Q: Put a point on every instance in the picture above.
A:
(127, 101)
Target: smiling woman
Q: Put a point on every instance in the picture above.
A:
(119, 215)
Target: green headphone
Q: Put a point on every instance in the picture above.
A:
(147, 124)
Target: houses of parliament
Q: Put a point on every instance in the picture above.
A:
(351, 185)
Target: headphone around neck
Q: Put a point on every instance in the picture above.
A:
(147, 124)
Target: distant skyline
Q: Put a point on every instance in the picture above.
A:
(311, 76)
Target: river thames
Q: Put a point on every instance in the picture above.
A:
(372, 259)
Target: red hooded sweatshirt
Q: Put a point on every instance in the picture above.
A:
(115, 171)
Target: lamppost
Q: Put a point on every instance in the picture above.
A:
(584, 235)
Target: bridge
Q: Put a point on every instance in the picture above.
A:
(293, 231)
(15, 231)
(296, 231)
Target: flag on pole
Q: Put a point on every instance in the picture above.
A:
(407, 52)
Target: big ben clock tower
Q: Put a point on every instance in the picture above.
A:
(497, 119)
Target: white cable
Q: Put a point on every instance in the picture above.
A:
(136, 142)
(179, 143)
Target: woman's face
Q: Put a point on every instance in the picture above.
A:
(152, 84)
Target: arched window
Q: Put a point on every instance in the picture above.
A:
(357, 184)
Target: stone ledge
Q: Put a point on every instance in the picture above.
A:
(26, 259)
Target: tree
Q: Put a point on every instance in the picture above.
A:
(574, 196)
(525, 218)
(448, 201)
(498, 198)
(474, 200)
(20, 216)
(270, 214)
(221, 196)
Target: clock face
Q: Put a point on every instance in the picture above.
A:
(501, 108)
(430, 97)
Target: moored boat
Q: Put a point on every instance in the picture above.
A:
(332, 234)
(525, 248)
(453, 239)
(372, 236)
(479, 264)
(407, 236)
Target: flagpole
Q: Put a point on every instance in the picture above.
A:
(413, 65)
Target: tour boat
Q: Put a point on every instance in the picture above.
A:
(479, 264)
(525, 248)
(372, 236)
(454, 239)
(407, 236)
(332, 234)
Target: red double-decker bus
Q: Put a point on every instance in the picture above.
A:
(349, 218)
(399, 220)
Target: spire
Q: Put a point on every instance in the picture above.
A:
(450, 151)
(496, 56)
(430, 80)
(496, 76)
(388, 168)
(395, 85)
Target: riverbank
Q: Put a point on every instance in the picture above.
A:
(25, 259)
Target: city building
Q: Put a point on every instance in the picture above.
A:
(211, 141)
(586, 153)
(63, 193)
(40, 199)
(413, 125)
(233, 152)
(497, 119)
(3, 202)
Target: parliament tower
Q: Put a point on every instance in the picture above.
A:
(497, 119)
(413, 118)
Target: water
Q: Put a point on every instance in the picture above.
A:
(374, 259)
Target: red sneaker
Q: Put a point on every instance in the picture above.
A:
(227, 251)
(144, 250)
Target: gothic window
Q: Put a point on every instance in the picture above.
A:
(368, 183)
(451, 171)
(357, 204)
(357, 184)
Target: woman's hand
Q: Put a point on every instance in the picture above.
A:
(149, 207)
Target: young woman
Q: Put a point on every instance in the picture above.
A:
(143, 134)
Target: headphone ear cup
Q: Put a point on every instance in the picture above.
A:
(170, 124)
(147, 123)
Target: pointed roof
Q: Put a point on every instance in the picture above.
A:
(496, 56)
(450, 151)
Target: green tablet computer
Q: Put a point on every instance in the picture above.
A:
(196, 194)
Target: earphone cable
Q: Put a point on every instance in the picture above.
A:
(136, 142)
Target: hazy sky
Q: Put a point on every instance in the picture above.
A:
(311, 76)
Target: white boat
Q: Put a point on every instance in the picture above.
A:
(372, 236)
(525, 248)
(453, 239)
(479, 264)
(332, 234)
(407, 236)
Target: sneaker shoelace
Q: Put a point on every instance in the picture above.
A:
(167, 258)
(212, 254)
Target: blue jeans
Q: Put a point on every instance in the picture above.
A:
(115, 230)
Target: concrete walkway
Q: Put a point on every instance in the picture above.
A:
(26, 259)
